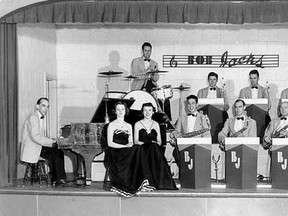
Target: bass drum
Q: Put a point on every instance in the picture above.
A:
(140, 97)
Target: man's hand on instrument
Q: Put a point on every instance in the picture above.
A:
(222, 145)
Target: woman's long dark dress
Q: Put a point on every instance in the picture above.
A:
(128, 170)
(160, 176)
(138, 168)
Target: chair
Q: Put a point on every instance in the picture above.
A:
(36, 173)
(104, 145)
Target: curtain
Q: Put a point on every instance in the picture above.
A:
(8, 104)
(156, 11)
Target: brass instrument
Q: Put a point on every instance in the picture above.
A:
(276, 134)
(174, 135)
(236, 134)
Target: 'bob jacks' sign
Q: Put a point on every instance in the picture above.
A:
(224, 60)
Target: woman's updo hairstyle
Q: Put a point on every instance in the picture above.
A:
(148, 105)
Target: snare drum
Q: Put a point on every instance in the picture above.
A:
(163, 93)
(140, 97)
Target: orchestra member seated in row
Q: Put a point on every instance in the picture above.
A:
(151, 86)
(284, 95)
(35, 144)
(213, 91)
(254, 90)
(190, 124)
(239, 126)
(141, 66)
(136, 167)
(277, 128)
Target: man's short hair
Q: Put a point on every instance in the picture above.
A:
(40, 99)
(146, 44)
(254, 72)
(240, 100)
(213, 74)
(192, 97)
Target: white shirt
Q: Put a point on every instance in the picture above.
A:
(146, 63)
(282, 124)
(254, 93)
(239, 124)
(191, 122)
(211, 93)
(42, 124)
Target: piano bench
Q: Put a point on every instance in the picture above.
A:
(36, 173)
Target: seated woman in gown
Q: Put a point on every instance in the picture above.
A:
(147, 135)
(128, 169)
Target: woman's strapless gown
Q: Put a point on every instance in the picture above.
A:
(160, 176)
(128, 169)
(138, 168)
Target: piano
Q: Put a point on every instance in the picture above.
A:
(86, 139)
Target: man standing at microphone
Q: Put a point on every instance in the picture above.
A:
(141, 66)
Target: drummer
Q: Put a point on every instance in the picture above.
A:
(141, 66)
(151, 85)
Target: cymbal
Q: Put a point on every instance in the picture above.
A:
(110, 73)
(181, 88)
(131, 77)
(157, 71)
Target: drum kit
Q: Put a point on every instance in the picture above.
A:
(140, 96)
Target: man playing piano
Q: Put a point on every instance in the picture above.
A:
(35, 144)
(239, 126)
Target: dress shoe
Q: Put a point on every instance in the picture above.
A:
(80, 181)
(62, 183)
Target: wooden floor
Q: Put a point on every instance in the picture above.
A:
(94, 200)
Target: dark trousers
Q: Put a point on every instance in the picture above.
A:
(56, 158)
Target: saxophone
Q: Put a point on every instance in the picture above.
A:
(236, 134)
(276, 134)
(174, 135)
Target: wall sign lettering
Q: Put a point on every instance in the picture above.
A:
(225, 61)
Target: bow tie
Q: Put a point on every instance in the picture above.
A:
(240, 118)
(192, 114)
(283, 118)
(256, 87)
(213, 89)
(42, 117)
(147, 60)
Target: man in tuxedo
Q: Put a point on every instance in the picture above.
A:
(213, 91)
(141, 66)
(284, 95)
(193, 122)
(239, 126)
(277, 128)
(35, 144)
(254, 90)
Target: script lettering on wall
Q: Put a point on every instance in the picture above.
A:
(225, 61)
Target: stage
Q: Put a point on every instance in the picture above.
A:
(94, 200)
